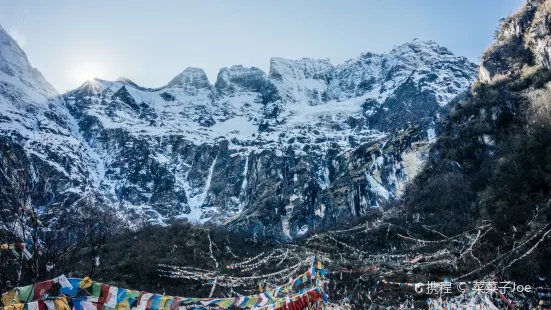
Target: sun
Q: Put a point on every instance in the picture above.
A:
(87, 71)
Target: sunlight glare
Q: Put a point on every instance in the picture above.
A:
(87, 71)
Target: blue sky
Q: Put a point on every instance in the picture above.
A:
(152, 41)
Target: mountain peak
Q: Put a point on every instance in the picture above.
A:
(18, 71)
(191, 77)
(240, 69)
(418, 46)
(420, 41)
(241, 77)
(129, 82)
(124, 80)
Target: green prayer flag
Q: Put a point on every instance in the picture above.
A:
(96, 289)
(26, 293)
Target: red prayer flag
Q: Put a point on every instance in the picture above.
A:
(42, 287)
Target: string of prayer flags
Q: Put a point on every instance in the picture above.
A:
(9, 246)
(180, 272)
(58, 303)
(99, 296)
(250, 263)
(13, 247)
(301, 290)
(359, 270)
(410, 284)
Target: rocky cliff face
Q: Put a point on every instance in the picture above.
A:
(522, 43)
(276, 153)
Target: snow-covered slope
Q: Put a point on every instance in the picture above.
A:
(275, 152)
(301, 81)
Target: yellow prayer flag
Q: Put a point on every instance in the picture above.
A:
(11, 307)
(10, 298)
(163, 301)
(123, 305)
(61, 304)
(252, 302)
(85, 283)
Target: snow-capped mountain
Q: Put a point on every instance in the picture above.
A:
(277, 153)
